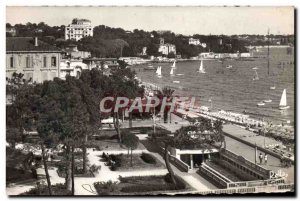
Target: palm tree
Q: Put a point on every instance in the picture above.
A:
(166, 92)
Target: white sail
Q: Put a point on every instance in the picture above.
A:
(159, 71)
(201, 68)
(283, 98)
(174, 65)
(172, 71)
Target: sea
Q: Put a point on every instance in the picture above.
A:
(234, 89)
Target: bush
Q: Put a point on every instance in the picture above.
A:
(114, 161)
(146, 188)
(143, 130)
(58, 189)
(148, 158)
(105, 188)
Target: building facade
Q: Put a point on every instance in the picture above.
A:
(72, 67)
(166, 48)
(193, 41)
(38, 61)
(78, 29)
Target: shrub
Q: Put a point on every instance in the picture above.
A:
(58, 189)
(143, 130)
(105, 188)
(148, 158)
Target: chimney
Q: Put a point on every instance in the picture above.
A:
(36, 43)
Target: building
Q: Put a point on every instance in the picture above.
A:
(103, 63)
(193, 41)
(78, 29)
(35, 59)
(72, 52)
(72, 67)
(11, 31)
(166, 48)
(207, 55)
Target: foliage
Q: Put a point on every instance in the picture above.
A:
(203, 134)
(58, 190)
(150, 184)
(130, 140)
(105, 188)
(148, 158)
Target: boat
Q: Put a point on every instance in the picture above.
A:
(268, 101)
(201, 68)
(283, 105)
(229, 66)
(176, 81)
(255, 75)
(158, 71)
(172, 72)
(260, 104)
(149, 67)
(174, 64)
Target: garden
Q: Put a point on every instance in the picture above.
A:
(123, 162)
(138, 185)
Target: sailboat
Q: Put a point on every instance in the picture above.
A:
(255, 76)
(201, 68)
(158, 71)
(273, 87)
(260, 104)
(172, 72)
(174, 64)
(282, 104)
(268, 101)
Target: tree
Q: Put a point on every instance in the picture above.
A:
(166, 92)
(131, 142)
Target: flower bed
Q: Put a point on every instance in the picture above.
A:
(140, 185)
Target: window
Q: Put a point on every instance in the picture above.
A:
(53, 61)
(27, 62)
(12, 62)
(45, 62)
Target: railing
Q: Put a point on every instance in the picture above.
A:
(179, 164)
(216, 173)
(278, 188)
(246, 162)
(256, 183)
(220, 181)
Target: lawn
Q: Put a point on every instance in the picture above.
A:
(123, 162)
(140, 185)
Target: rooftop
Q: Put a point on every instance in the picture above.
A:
(26, 44)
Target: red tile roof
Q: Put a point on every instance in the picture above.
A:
(24, 44)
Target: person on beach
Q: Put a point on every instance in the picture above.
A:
(260, 158)
(266, 158)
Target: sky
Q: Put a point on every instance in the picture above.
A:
(181, 20)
